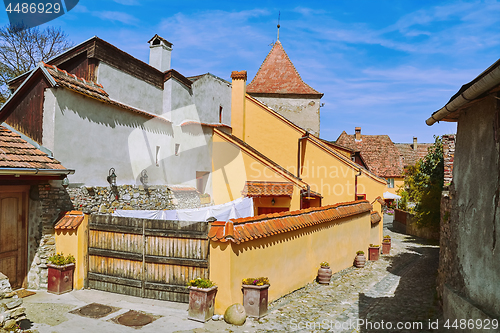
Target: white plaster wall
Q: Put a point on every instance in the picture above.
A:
(129, 90)
(210, 93)
(48, 119)
(302, 112)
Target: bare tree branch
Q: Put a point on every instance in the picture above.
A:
(21, 50)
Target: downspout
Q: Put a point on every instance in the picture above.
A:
(486, 83)
(298, 156)
(356, 185)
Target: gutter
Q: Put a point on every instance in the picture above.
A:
(299, 151)
(482, 85)
(37, 172)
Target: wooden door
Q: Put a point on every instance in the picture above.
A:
(13, 237)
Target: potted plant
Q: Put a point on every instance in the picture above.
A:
(373, 252)
(386, 245)
(324, 273)
(60, 279)
(201, 299)
(255, 296)
(360, 259)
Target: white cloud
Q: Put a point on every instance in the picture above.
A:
(116, 17)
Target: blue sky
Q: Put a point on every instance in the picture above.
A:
(382, 65)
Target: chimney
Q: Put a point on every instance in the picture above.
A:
(415, 143)
(238, 96)
(357, 135)
(160, 51)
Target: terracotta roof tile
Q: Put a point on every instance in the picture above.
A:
(410, 155)
(257, 189)
(17, 153)
(246, 229)
(91, 89)
(375, 217)
(70, 220)
(197, 123)
(378, 151)
(277, 75)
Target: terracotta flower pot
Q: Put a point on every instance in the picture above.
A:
(255, 300)
(60, 278)
(201, 303)
(324, 275)
(360, 261)
(386, 247)
(373, 252)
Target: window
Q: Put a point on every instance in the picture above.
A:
(201, 180)
(220, 114)
(360, 196)
(177, 147)
(390, 182)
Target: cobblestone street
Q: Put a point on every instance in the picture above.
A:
(399, 289)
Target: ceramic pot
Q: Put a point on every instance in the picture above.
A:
(201, 303)
(60, 279)
(324, 275)
(373, 252)
(360, 261)
(255, 300)
(386, 247)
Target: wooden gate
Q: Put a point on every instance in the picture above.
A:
(146, 258)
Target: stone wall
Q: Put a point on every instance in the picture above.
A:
(405, 222)
(449, 156)
(46, 202)
(11, 309)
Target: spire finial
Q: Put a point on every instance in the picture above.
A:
(279, 14)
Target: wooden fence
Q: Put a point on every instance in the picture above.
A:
(146, 258)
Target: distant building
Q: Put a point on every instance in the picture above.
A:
(382, 156)
(278, 85)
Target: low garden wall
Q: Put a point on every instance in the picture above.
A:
(286, 247)
(404, 222)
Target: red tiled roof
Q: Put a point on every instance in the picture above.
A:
(91, 89)
(70, 220)
(380, 201)
(17, 153)
(277, 75)
(375, 217)
(257, 189)
(249, 228)
(378, 151)
(410, 155)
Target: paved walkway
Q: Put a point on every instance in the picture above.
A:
(399, 288)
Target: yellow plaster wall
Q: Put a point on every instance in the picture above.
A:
(232, 167)
(290, 260)
(74, 242)
(398, 182)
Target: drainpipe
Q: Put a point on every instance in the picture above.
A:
(356, 184)
(484, 84)
(298, 156)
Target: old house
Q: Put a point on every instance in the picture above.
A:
(95, 107)
(469, 269)
(30, 200)
(382, 156)
(278, 85)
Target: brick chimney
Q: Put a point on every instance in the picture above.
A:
(415, 145)
(357, 133)
(160, 51)
(238, 93)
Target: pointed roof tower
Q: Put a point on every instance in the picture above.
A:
(277, 75)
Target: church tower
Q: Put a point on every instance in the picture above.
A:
(279, 85)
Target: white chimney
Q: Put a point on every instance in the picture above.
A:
(415, 143)
(160, 51)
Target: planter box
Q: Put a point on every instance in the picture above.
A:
(373, 253)
(255, 300)
(201, 303)
(60, 278)
(386, 247)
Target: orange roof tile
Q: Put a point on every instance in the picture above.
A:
(378, 151)
(277, 75)
(94, 90)
(411, 155)
(17, 153)
(257, 189)
(375, 217)
(192, 122)
(246, 229)
(70, 220)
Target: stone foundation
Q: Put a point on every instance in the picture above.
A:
(11, 309)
